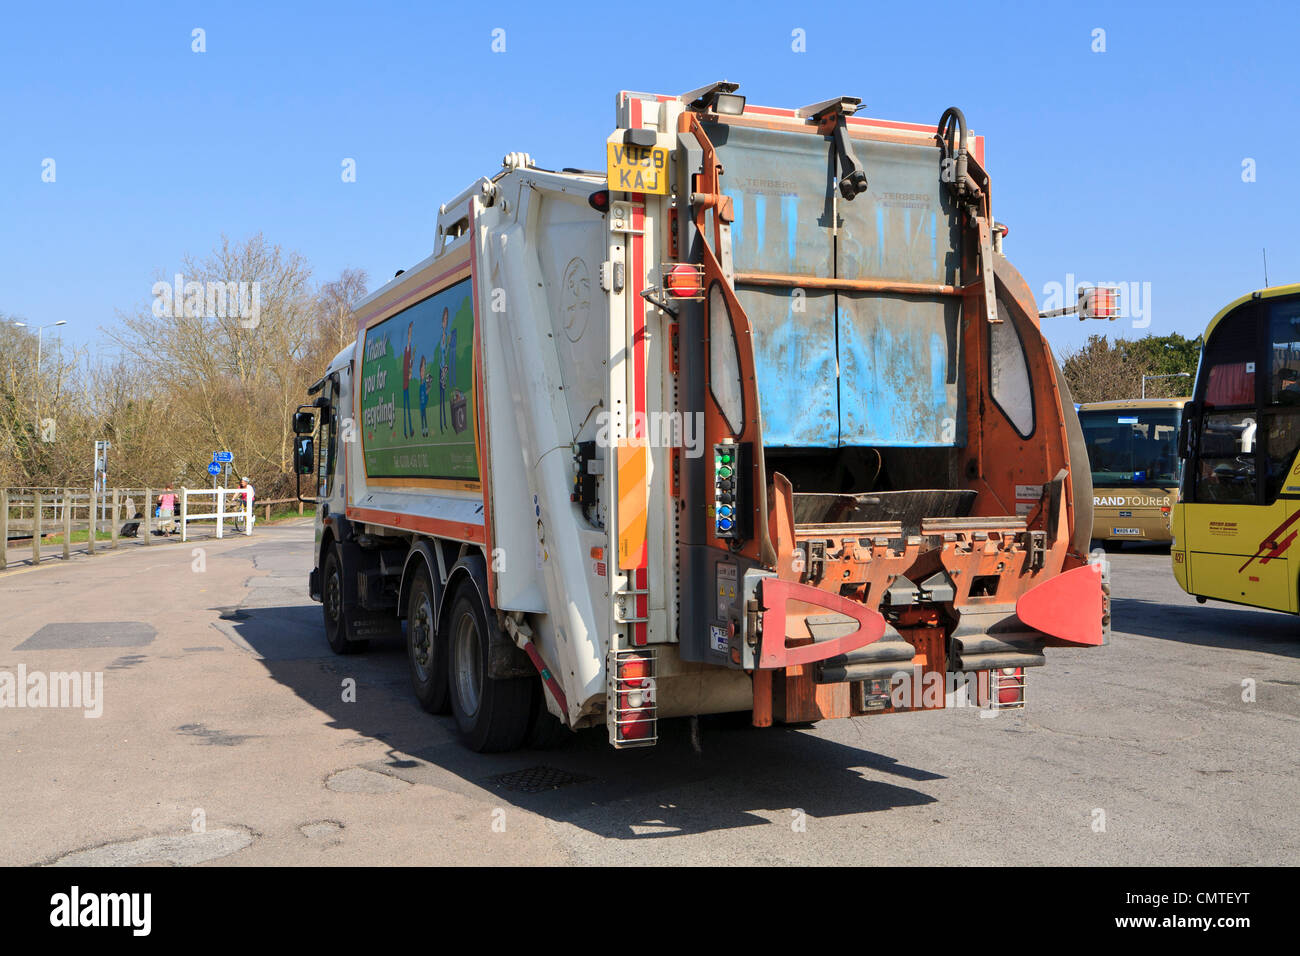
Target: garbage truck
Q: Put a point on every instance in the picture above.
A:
(757, 418)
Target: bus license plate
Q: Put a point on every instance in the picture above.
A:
(1129, 532)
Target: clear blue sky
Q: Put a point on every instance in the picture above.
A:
(1117, 166)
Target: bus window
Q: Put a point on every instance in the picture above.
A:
(1284, 353)
(1226, 467)
(1282, 441)
(1282, 416)
(1132, 446)
(1232, 383)
(1228, 362)
(1226, 447)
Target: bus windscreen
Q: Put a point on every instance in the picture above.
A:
(1132, 447)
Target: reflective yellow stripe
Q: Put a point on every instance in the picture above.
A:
(633, 463)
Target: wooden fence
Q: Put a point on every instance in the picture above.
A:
(36, 512)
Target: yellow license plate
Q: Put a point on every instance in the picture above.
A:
(638, 169)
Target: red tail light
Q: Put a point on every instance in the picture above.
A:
(1009, 684)
(684, 281)
(635, 711)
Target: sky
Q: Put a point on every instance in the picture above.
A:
(1160, 151)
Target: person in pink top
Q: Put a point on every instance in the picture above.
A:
(166, 510)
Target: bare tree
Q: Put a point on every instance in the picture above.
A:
(219, 364)
(231, 374)
(334, 304)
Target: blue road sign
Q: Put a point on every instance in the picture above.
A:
(214, 469)
(222, 456)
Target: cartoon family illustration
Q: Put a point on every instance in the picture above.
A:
(446, 379)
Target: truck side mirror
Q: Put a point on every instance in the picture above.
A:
(304, 423)
(305, 455)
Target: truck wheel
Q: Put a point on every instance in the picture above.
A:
(545, 730)
(336, 615)
(493, 714)
(426, 649)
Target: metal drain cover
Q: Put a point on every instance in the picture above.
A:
(537, 779)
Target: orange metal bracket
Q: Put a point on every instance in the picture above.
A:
(1067, 608)
(773, 652)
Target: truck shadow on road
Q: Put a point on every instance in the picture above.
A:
(1211, 625)
(742, 777)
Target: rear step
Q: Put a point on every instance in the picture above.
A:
(1012, 644)
(879, 660)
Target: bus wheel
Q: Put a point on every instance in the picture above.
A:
(336, 615)
(493, 713)
(426, 649)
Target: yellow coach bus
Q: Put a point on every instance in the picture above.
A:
(1133, 452)
(1236, 525)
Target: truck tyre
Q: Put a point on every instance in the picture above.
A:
(336, 615)
(426, 649)
(493, 714)
(545, 730)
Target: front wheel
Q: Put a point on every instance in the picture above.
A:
(493, 713)
(336, 614)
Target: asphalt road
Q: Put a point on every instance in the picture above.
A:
(225, 737)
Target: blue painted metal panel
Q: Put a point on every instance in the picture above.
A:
(899, 382)
(895, 379)
(779, 186)
(904, 226)
(794, 358)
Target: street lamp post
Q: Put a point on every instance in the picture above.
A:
(1171, 375)
(40, 339)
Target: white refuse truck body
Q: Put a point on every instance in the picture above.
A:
(735, 424)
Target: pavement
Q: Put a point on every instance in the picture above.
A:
(231, 735)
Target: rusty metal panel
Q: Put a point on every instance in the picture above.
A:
(896, 378)
(780, 187)
(900, 381)
(905, 225)
(794, 358)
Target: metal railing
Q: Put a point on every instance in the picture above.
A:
(241, 515)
